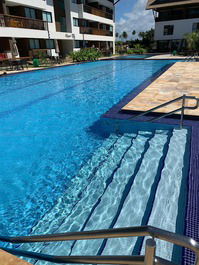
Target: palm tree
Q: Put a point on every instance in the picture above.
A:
(124, 35)
(192, 40)
(133, 32)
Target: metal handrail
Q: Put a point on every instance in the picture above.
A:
(154, 232)
(183, 98)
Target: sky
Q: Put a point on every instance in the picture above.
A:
(131, 15)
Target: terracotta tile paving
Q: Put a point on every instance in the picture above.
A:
(8, 259)
(181, 78)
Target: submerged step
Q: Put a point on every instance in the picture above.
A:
(112, 201)
(91, 196)
(165, 207)
(78, 184)
(138, 199)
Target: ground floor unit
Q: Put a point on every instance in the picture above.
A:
(26, 47)
(170, 45)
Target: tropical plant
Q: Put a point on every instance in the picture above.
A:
(138, 49)
(133, 32)
(88, 54)
(192, 41)
(130, 51)
(147, 37)
(124, 35)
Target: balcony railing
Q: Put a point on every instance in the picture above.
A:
(94, 31)
(181, 14)
(97, 12)
(22, 22)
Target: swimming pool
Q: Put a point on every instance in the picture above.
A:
(136, 56)
(51, 139)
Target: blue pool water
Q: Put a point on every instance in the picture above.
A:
(136, 177)
(136, 56)
(47, 136)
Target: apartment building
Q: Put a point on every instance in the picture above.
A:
(173, 19)
(55, 27)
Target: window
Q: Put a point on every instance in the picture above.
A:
(103, 26)
(34, 44)
(193, 12)
(75, 22)
(47, 16)
(163, 45)
(50, 44)
(79, 44)
(30, 12)
(78, 1)
(168, 30)
(195, 27)
(111, 28)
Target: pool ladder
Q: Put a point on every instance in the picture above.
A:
(140, 231)
(181, 109)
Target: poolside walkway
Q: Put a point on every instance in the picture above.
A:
(8, 259)
(30, 68)
(181, 78)
(168, 56)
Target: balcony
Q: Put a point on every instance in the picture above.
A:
(97, 12)
(22, 22)
(178, 14)
(95, 31)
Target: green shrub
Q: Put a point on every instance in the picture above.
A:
(87, 54)
(138, 49)
(130, 51)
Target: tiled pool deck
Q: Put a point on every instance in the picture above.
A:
(8, 259)
(169, 80)
(181, 78)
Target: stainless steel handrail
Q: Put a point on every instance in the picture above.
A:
(183, 98)
(131, 260)
(154, 232)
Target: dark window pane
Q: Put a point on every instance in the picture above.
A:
(168, 30)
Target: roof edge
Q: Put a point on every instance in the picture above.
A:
(187, 2)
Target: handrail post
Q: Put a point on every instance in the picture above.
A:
(197, 259)
(150, 251)
(182, 112)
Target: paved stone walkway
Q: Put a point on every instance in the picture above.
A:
(8, 259)
(181, 78)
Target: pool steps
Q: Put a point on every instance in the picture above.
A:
(87, 198)
(110, 206)
(128, 162)
(167, 218)
(78, 184)
(143, 182)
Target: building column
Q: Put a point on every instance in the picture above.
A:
(5, 11)
(113, 47)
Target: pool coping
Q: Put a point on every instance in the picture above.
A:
(191, 227)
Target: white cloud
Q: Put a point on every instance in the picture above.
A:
(138, 19)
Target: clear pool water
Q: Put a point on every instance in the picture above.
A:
(47, 136)
(136, 56)
(134, 178)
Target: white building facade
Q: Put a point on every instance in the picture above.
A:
(173, 20)
(56, 27)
